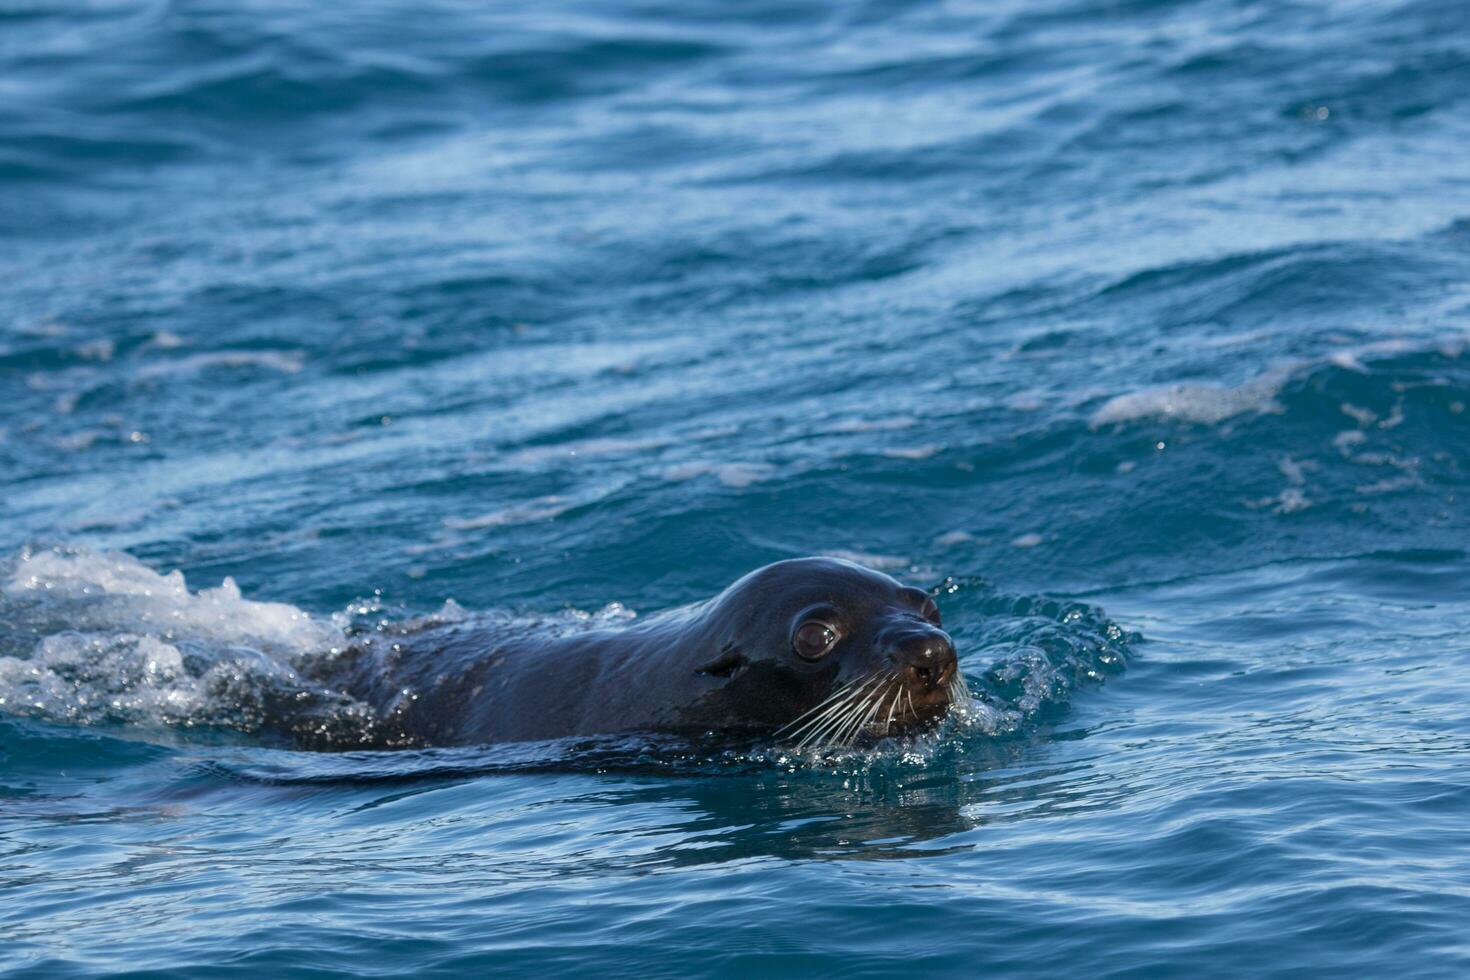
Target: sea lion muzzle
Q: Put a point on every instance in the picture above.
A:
(924, 655)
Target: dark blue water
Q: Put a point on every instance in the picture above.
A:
(1146, 323)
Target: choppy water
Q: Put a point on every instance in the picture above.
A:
(1146, 323)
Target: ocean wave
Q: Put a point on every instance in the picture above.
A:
(1203, 402)
(1209, 403)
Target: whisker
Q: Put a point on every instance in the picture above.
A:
(840, 732)
(857, 729)
(836, 715)
(834, 706)
(858, 720)
(833, 733)
(849, 696)
(888, 725)
(841, 718)
(850, 708)
(822, 738)
(841, 692)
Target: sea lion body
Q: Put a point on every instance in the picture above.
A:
(740, 663)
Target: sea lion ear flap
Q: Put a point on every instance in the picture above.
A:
(726, 664)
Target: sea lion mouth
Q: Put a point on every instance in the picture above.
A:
(872, 708)
(922, 717)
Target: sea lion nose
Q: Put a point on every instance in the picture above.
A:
(925, 657)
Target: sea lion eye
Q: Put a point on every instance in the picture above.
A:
(813, 640)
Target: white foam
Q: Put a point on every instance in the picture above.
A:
(167, 339)
(1351, 358)
(734, 475)
(1210, 403)
(537, 509)
(80, 441)
(858, 426)
(1294, 471)
(1203, 402)
(1291, 501)
(85, 676)
(285, 361)
(97, 350)
(913, 452)
(1390, 485)
(101, 637)
(118, 591)
(869, 559)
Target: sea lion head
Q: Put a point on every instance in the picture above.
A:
(828, 652)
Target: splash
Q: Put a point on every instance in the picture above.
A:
(1042, 651)
(101, 639)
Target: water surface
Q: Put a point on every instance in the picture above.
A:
(1156, 311)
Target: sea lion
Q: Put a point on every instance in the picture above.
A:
(819, 651)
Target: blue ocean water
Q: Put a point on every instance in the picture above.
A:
(1137, 329)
